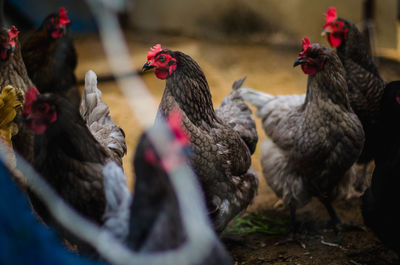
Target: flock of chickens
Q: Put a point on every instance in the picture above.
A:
(347, 116)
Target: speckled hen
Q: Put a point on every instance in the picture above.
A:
(12, 68)
(365, 85)
(222, 140)
(13, 72)
(314, 139)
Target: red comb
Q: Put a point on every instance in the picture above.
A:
(306, 44)
(153, 51)
(12, 34)
(30, 97)
(175, 124)
(63, 16)
(330, 15)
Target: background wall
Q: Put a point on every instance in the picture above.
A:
(272, 21)
(258, 20)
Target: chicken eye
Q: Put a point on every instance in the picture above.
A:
(42, 108)
(398, 99)
(313, 55)
(337, 25)
(162, 58)
(172, 62)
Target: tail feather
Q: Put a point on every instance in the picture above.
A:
(235, 112)
(256, 98)
(97, 116)
(92, 107)
(238, 83)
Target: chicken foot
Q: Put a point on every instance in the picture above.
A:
(294, 235)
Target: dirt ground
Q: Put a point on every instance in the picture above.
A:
(268, 68)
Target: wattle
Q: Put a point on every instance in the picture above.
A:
(334, 41)
(308, 69)
(57, 34)
(3, 54)
(37, 127)
(161, 73)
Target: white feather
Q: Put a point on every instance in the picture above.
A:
(256, 98)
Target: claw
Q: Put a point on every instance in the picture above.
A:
(291, 238)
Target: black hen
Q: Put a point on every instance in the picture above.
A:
(155, 206)
(157, 216)
(365, 85)
(381, 196)
(50, 57)
(68, 155)
(222, 140)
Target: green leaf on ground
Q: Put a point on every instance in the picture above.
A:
(258, 223)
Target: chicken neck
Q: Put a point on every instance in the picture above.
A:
(189, 88)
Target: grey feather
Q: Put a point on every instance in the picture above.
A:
(97, 116)
(234, 112)
(118, 201)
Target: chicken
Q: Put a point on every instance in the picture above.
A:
(155, 205)
(12, 68)
(221, 158)
(67, 154)
(23, 239)
(13, 72)
(155, 220)
(366, 86)
(378, 199)
(50, 57)
(314, 139)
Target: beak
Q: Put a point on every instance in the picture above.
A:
(326, 31)
(298, 61)
(63, 29)
(147, 66)
(25, 118)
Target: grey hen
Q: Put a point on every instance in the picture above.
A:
(221, 157)
(314, 138)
